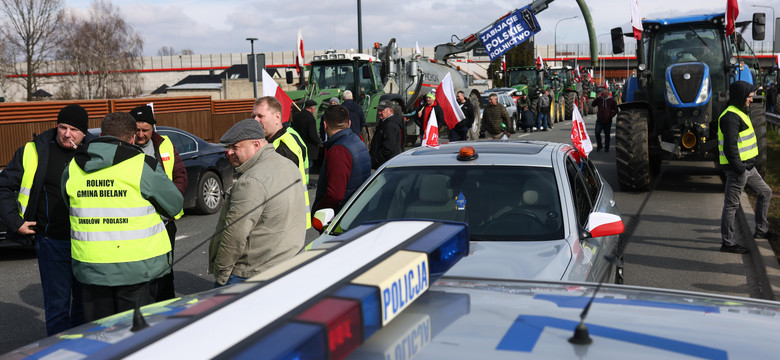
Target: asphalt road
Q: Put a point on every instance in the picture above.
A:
(673, 234)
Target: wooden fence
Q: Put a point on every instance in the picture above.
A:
(200, 115)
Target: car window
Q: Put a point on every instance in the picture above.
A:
(580, 194)
(182, 142)
(499, 203)
(592, 181)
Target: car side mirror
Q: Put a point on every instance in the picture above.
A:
(604, 224)
(617, 40)
(322, 219)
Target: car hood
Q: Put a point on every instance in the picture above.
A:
(537, 260)
(505, 260)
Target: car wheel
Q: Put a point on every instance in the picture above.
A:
(209, 198)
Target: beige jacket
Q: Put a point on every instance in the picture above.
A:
(264, 218)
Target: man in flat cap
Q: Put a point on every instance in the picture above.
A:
(388, 140)
(263, 220)
(162, 149)
(31, 206)
(306, 126)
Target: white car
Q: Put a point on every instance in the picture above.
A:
(526, 204)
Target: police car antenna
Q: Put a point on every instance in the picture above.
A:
(581, 334)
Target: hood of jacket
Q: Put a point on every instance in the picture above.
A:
(738, 93)
(103, 152)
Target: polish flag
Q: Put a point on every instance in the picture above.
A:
(299, 53)
(539, 61)
(445, 96)
(636, 20)
(579, 135)
(431, 138)
(732, 11)
(271, 88)
(603, 224)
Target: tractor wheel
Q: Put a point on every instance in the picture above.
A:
(758, 117)
(632, 154)
(561, 108)
(569, 104)
(475, 104)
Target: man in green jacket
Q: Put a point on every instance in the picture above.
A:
(263, 220)
(116, 196)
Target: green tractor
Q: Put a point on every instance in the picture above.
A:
(529, 80)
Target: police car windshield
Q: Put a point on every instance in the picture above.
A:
(500, 203)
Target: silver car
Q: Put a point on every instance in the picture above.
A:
(526, 203)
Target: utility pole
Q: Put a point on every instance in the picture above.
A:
(254, 63)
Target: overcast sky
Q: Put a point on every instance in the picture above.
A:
(208, 26)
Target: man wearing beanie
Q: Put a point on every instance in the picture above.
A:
(263, 220)
(31, 203)
(162, 149)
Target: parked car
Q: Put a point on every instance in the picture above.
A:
(208, 170)
(388, 293)
(503, 99)
(526, 204)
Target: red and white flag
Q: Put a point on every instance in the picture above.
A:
(579, 135)
(636, 20)
(431, 138)
(445, 96)
(271, 88)
(732, 11)
(299, 53)
(539, 61)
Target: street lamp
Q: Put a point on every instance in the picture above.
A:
(773, 24)
(254, 63)
(555, 46)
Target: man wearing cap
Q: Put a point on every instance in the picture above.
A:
(263, 221)
(268, 112)
(356, 116)
(305, 125)
(324, 137)
(388, 139)
(32, 207)
(347, 163)
(162, 149)
(117, 197)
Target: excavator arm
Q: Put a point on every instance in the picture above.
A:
(443, 51)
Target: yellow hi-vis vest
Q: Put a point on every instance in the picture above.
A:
(110, 221)
(296, 145)
(747, 143)
(168, 159)
(30, 166)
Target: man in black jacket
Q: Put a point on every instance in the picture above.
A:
(306, 126)
(356, 115)
(461, 130)
(607, 109)
(738, 148)
(32, 180)
(388, 139)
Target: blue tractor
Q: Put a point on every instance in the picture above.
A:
(680, 88)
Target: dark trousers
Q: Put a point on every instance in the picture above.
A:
(62, 301)
(459, 134)
(165, 283)
(102, 301)
(606, 128)
(735, 184)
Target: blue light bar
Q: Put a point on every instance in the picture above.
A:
(292, 341)
(445, 245)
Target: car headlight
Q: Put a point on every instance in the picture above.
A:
(705, 89)
(670, 98)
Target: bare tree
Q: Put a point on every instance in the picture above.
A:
(187, 52)
(29, 29)
(103, 50)
(166, 51)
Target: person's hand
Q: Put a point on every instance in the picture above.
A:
(27, 228)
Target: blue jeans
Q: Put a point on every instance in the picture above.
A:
(233, 279)
(542, 119)
(62, 296)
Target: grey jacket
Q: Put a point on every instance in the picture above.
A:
(264, 218)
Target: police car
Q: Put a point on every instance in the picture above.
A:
(525, 202)
(385, 293)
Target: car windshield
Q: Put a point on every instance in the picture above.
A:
(500, 203)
